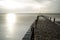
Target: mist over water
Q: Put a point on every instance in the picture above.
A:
(14, 26)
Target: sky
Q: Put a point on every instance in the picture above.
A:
(30, 6)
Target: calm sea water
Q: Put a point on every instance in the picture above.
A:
(13, 26)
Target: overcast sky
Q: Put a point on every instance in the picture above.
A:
(30, 6)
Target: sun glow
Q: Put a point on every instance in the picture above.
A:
(9, 4)
(10, 20)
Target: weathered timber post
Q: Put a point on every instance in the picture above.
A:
(50, 18)
(36, 22)
(32, 28)
(32, 35)
(54, 20)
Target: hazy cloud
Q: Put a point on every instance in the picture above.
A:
(34, 6)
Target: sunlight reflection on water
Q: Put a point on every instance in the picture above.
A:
(10, 22)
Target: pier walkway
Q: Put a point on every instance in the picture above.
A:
(43, 29)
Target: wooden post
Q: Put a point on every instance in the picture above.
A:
(50, 18)
(54, 20)
(32, 35)
(36, 22)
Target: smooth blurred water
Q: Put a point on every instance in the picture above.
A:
(13, 26)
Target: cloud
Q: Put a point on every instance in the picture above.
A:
(31, 6)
